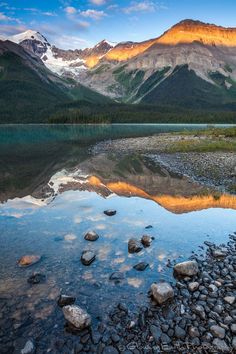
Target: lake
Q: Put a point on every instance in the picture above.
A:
(54, 188)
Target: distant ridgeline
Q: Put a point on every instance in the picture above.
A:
(186, 75)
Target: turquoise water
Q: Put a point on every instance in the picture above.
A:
(30, 224)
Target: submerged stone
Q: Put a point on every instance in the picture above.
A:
(141, 266)
(28, 260)
(110, 212)
(65, 300)
(36, 278)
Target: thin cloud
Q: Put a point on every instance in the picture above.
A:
(8, 30)
(37, 11)
(94, 14)
(142, 6)
(70, 10)
(98, 2)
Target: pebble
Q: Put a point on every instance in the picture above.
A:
(91, 236)
(88, 257)
(188, 268)
(28, 260)
(141, 266)
(134, 246)
(162, 292)
(76, 316)
(110, 212)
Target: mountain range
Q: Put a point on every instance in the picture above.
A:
(191, 66)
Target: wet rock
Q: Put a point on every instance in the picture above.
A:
(141, 266)
(188, 268)
(117, 276)
(88, 257)
(76, 316)
(110, 350)
(28, 260)
(218, 331)
(162, 292)
(219, 253)
(36, 278)
(230, 299)
(148, 227)
(91, 236)
(146, 240)
(134, 246)
(58, 238)
(110, 212)
(221, 345)
(65, 300)
(70, 237)
(29, 347)
(193, 286)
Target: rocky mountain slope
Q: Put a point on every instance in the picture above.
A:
(29, 91)
(192, 65)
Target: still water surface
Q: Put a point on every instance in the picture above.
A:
(35, 220)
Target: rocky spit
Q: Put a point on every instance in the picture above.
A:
(196, 313)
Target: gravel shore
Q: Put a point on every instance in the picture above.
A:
(214, 169)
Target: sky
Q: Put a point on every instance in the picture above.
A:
(71, 24)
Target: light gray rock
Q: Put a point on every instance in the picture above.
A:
(76, 316)
(91, 236)
(88, 257)
(229, 299)
(29, 347)
(219, 253)
(221, 345)
(162, 292)
(218, 331)
(233, 328)
(193, 286)
(188, 268)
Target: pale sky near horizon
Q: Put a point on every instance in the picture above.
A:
(83, 23)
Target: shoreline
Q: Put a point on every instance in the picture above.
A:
(199, 318)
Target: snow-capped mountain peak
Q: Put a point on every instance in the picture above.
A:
(28, 35)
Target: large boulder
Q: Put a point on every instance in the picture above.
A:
(188, 268)
(162, 292)
(76, 316)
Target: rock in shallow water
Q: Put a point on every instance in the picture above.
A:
(65, 300)
(134, 246)
(110, 212)
(76, 316)
(36, 278)
(146, 240)
(188, 268)
(141, 266)
(28, 260)
(117, 276)
(162, 292)
(88, 257)
(91, 236)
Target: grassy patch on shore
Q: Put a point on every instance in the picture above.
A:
(210, 140)
(202, 146)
